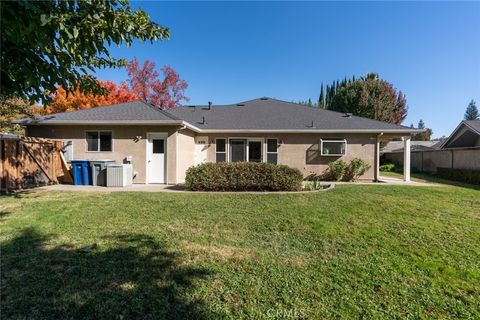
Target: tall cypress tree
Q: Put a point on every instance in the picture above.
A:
(321, 99)
(472, 112)
(327, 97)
(309, 103)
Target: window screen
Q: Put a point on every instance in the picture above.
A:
(105, 141)
(272, 153)
(99, 141)
(255, 151)
(238, 150)
(92, 140)
(220, 157)
(220, 150)
(334, 148)
(271, 145)
(158, 146)
(220, 145)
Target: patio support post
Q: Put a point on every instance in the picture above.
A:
(406, 158)
(376, 173)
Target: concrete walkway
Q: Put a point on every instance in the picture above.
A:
(132, 188)
(385, 181)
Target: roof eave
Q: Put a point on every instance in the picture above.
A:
(391, 131)
(101, 122)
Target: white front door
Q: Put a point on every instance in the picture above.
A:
(201, 146)
(156, 151)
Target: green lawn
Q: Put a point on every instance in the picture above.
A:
(425, 177)
(356, 251)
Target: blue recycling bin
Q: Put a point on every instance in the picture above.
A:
(81, 172)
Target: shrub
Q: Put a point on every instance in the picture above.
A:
(313, 185)
(336, 170)
(356, 168)
(387, 167)
(462, 175)
(243, 176)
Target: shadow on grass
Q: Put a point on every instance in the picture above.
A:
(139, 278)
(3, 214)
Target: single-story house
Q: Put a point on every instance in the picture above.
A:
(163, 144)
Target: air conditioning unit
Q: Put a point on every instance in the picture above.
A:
(119, 175)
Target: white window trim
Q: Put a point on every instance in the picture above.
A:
(247, 139)
(224, 152)
(332, 154)
(270, 152)
(98, 131)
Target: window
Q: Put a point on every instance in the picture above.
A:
(220, 150)
(255, 151)
(333, 147)
(238, 150)
(272, 152)
(158, 146)
(99, 141)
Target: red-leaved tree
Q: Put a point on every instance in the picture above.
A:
(145, 82)
(64, 102)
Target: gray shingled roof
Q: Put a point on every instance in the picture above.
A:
(258, 114)
(129, 111)
(397, 146)
(475, 124)
(267, 113)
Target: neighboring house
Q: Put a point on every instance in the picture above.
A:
(465, 135)
(163, 144)
(461, 150)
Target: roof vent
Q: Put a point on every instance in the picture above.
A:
(348, 115)
(241, 104)
(209, 105)
(263, 98)
(204, 121)
(311, 125)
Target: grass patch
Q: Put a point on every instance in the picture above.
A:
(425, 177)
(357, 251)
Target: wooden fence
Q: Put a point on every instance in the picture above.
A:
(31, 162)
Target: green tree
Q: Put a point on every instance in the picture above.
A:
(309, 103)
(11, 109)
(370, 97)
(321, 99)
(472, 112)
(52, 43)
(422, 136)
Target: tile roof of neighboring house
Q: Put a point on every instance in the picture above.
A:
(397, 146)
(259, 114)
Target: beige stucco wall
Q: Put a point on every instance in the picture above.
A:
(124, 144)
(185, 152)
(296, 150)
(302, 150)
